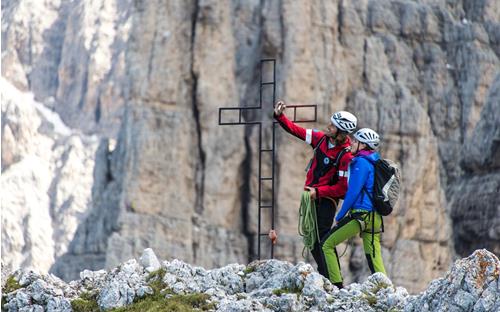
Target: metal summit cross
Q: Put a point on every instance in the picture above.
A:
(266, 66)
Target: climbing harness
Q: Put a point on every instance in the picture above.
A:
(358, 216)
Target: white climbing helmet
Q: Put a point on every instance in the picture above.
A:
(345, 121)
(368, 136)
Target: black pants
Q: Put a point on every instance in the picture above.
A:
(325, 212)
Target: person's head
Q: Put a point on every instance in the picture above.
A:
(341, 124)
(365, 139)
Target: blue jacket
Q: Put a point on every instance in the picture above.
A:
(361, 174)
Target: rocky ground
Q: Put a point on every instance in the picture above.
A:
(472, 284)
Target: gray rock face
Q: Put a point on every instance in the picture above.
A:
(70, 54)
(124, 213)
(476, 210)
(472, 284)
(423, 73)
(47, 175)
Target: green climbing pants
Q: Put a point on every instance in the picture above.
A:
(356, 222)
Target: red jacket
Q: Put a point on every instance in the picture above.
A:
(322, 171)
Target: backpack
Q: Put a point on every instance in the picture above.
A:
(386, 185)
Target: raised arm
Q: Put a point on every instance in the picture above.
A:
(310, 136)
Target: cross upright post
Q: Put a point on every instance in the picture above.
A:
(241, 121)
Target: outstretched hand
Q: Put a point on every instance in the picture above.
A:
(279, 108)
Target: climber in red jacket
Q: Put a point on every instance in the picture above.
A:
(326, 178)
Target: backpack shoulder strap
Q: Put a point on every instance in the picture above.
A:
(314, 153)
(319, 143)
(368, 194)
(364, 190)
(340, 155)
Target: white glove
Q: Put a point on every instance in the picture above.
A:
(279, 108)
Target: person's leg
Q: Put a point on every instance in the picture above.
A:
(344, 230)
(325, 212)
(374, 257)
(318, 257)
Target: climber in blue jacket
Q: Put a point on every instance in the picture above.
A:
(357, 214)
(360, 175)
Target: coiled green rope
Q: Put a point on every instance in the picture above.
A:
(308, 227)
